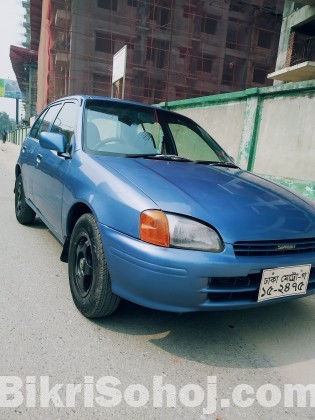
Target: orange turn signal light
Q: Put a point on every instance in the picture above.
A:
(154, 228)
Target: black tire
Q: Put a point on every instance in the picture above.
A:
(23, 212)
(89, 277)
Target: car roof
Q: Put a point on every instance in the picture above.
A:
(103, 98)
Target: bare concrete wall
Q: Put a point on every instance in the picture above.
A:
(286, 139)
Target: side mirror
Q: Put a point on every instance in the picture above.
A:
(52, 141)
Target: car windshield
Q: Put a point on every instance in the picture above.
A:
(123, 129)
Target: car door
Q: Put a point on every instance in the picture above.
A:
(51, 169)
(28, 157)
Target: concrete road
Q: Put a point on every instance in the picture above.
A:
(138, 363)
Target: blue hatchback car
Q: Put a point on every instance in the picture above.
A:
(151, 209)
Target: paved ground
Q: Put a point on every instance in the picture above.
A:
(44, 341)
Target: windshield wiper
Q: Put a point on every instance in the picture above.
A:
(225, 164)
(176, 158)
(144, 155)
(170, 157)
(161, 157)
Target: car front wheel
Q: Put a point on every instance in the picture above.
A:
(89, 277)
(23, 212)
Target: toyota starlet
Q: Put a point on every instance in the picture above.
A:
(149, 208)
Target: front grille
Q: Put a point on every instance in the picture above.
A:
(263, 248)
(241, 289)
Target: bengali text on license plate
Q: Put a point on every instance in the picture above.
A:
(284, 281)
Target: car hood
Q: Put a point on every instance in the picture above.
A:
(239, 204)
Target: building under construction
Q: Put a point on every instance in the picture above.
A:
(176, 49)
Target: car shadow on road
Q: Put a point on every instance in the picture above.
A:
(38, 224)
(277, 335)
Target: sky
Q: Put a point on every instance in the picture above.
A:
(11, 33)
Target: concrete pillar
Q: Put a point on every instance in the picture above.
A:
(250, 130)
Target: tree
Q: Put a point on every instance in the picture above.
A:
(6, 123)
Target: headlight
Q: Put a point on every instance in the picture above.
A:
(187, 233)
(170, 230)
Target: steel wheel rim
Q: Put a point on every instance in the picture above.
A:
(83, 266)
(19, 198)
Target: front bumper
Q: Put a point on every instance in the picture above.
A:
(180, 280)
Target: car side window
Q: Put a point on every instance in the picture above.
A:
(37, 124)
(65, 122)
(47, 120)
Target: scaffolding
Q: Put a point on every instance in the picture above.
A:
(177, 49)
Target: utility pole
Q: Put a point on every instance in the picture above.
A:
(17, 111)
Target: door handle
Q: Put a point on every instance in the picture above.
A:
(39, 158)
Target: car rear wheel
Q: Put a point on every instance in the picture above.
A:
(23, 212)
(89, 277)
